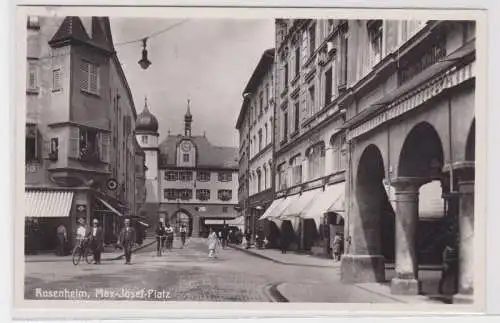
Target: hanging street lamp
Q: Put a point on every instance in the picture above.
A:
(144, 62)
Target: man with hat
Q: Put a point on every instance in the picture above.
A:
(127, 240)
(96, 241)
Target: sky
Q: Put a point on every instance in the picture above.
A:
(207, 61)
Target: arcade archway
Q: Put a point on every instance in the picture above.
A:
(470, 146)
(375, 211)
(182, 217)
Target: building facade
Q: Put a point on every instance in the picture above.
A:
(255, 124)
(374, 139)
(309, 145)
(80, 154)
(195, 182)
(411, 141)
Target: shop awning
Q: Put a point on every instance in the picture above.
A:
(330, 200)
(298, 206)
(271, 208)
(48, 204)
(216, 221)
(112, 209)
(239, 221)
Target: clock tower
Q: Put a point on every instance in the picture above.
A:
(146, 132)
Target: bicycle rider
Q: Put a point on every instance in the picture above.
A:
(160, 238)
(81, 233)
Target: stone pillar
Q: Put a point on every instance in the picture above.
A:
(363, 261)
(329, 162)
(305, 170)
(406, 200)
(465, 178)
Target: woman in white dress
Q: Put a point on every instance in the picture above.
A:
(213, 241)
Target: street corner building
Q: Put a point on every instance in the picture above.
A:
(373, 138)
(82, 158)
(255, 125)
(189, 181)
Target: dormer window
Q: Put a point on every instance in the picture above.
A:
(144, 140)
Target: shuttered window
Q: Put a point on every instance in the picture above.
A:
(56, 79)
(32, 77)
(74, 142)
(89, 78)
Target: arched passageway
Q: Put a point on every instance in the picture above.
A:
(470, 146)
(421, 161)
(182, 217)
(375, 211)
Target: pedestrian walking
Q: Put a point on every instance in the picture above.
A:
(127, 240)
(248, 238)
(285, 239)
(170, 236)
(213, 242)
(183, 232)
(449, 271)
(160, 238)
(337, 246)
(225, 236)
(62, 238)
(96, 241)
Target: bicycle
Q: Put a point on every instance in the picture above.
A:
(160, 244)
(81, 250)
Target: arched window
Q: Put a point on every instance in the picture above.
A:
(266, 136)
(281, 183)
(259, 180)
(316, 159)
(339, 152)
(265, 177)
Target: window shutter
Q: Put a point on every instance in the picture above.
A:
(94, 78)
(56, 79)
(104, 145)
(84, 68)
(74, 142)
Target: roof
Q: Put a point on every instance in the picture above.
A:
(265, 62)
(208, 155)
(72, 29)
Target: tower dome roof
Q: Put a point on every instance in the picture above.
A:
(146, 121)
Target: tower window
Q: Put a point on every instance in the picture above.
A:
(185, 158)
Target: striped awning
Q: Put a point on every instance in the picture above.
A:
(48, 204)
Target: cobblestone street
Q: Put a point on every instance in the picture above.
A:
(189, 275)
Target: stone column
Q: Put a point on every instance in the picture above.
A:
(406, 200)
(329, 166)
(465, 176)
(305, 170)
(406, 196)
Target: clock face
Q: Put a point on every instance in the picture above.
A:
(186, 146)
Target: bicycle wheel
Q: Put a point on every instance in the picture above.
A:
(77, 255)
(87, 254)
